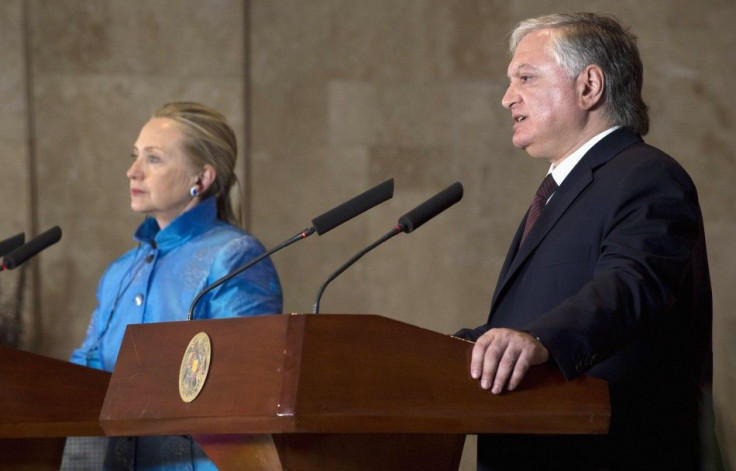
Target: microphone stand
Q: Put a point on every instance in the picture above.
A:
(396, 230)
(301, 235)
(407, 223)
(321, 224)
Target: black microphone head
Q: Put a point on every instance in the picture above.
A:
(350, 209)
(431, 208)
(37, 244)
(12, 243)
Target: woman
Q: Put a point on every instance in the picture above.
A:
(181, 177)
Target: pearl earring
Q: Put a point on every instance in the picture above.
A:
(194, 190)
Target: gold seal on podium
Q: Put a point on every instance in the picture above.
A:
(194, 367)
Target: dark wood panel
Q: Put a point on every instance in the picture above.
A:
(46, 397)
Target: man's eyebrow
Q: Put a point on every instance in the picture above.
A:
(521, 67)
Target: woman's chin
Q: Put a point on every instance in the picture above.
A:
(138, 208)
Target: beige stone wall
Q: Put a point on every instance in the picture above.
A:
(340, 94)
(96, 72)
(15, 199)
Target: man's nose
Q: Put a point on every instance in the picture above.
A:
(509, 98)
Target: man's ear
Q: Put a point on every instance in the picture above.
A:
(589, 85)
(207, 177)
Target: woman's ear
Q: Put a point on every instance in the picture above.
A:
(590, 85)
(207, 177)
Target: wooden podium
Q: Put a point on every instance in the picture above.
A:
(43, 401)
(317, 392)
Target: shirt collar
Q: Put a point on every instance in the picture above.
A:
(560, 172)
(187, 225)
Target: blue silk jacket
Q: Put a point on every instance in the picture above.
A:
(157, 281)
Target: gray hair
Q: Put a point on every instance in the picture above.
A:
(581, 39)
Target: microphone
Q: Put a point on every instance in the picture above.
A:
(321, 224)
(11, 243)
(407, 223)
(37, 244)
(431, 208)
(354, 207)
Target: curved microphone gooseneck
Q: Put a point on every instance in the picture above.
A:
(302, 235)
(321, 224)
(407, 223)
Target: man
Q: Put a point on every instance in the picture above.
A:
(612, 278)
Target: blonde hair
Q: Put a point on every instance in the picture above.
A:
(209, 140)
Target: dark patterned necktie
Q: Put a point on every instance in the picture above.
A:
(545, 190)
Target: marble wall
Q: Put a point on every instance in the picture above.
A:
(330, 97)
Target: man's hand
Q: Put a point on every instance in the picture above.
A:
(503, 356)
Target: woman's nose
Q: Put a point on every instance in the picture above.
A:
(133, 171)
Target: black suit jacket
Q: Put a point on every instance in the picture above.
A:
(613, 279)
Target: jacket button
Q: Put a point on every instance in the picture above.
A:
(139, 299)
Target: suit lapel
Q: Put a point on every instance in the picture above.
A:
(580, 177)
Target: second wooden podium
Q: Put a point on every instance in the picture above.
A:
(42, 401)
(315, 392)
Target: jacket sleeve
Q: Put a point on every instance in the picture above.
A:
(255, 291)
(88, 354)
